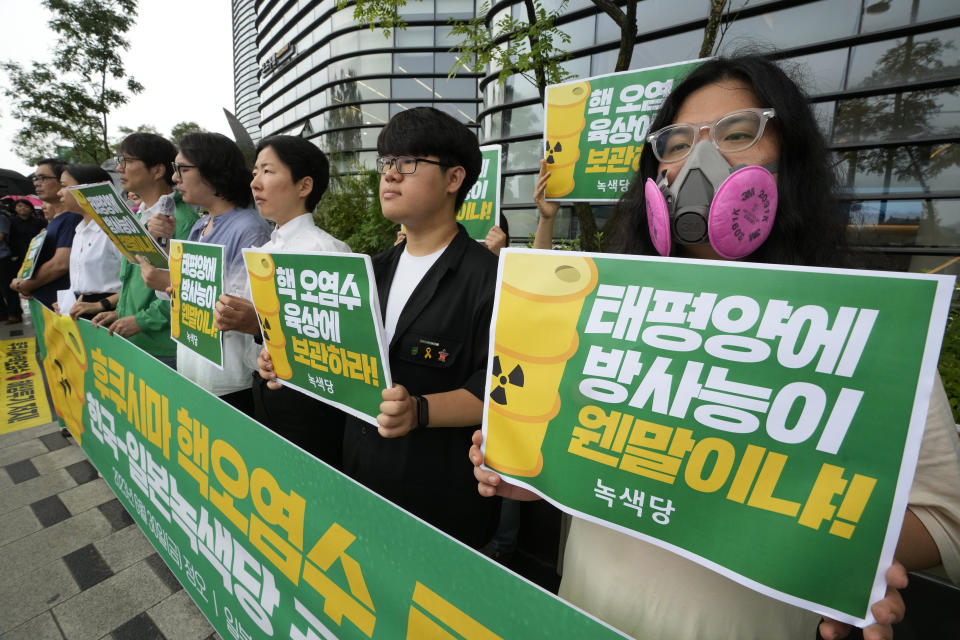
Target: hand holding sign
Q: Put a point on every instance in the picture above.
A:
(233, 313)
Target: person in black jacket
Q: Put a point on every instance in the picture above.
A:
(436, 291)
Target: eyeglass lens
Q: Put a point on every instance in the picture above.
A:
(404, 164)
(733, 132)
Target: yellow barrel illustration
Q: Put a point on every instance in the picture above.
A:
(540, 303)
(565, 122)
(65, 365)
(262, 269)
(176, 257)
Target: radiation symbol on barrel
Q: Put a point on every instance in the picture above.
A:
(557, 148)
(515, 378)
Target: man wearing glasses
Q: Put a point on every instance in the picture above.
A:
(53, 264)
(436, 289)
(140, 316)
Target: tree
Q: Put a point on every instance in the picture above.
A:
(66, 102)
(123, 132)
(350, 210)
(183, 127)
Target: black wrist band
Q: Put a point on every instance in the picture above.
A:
(423, 412)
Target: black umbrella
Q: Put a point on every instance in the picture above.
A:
(13, 183)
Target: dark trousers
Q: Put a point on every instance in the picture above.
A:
(314, 426)
(9, 299)
(240, 400)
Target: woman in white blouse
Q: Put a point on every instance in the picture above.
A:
(94, 259)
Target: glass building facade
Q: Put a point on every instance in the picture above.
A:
(246, 80)
(337, 82)
(883, 76)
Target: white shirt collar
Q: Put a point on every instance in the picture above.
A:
(292, 229)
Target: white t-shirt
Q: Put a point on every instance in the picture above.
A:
(94, 261)
(410, 271)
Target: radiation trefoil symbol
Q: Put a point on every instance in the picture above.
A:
(515, 378)
(557, 148)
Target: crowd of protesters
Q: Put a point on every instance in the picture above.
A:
(436, 284)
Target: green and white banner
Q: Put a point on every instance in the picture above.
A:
(480, 212)
(196, 276)
(763, 421)
(30, 259)
(109, 209)
(595, 128)
(320, 318)
(269, 541)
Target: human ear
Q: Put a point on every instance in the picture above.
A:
(455, 177)
(305, 186)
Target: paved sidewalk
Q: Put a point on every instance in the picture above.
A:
(72, 562)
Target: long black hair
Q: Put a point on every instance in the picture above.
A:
(810, 225)
(220, 163)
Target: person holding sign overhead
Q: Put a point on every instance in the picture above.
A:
(289, 178)
(739, 126)
(211, 173)
(145, 166)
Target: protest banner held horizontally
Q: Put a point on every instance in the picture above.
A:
(109, 209)
(267, 540)
(320, 318)
(763, 421)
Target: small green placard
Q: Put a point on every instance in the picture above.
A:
(30, 260)
(196, 275)
(108, 208)
(480, 211)
(595, 128)
(320, 318)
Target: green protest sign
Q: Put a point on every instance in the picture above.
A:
(320, 318)
(30, 259)
(109, 209)
(266, 539)
(595, 128)
(480, 211)
(784, 406)
(196, 276)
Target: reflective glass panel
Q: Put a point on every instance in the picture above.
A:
(801, 25)
(927, 56)
(524, 155)
(914, 114)
(921, 170)
(523, 120)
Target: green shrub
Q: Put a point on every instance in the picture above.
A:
(350, 211)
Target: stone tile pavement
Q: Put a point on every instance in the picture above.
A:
(72, 562)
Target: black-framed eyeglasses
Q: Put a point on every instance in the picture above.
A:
(122, 161)
(404, 164)
(178, 166)
(37, 178)
(735, 131)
